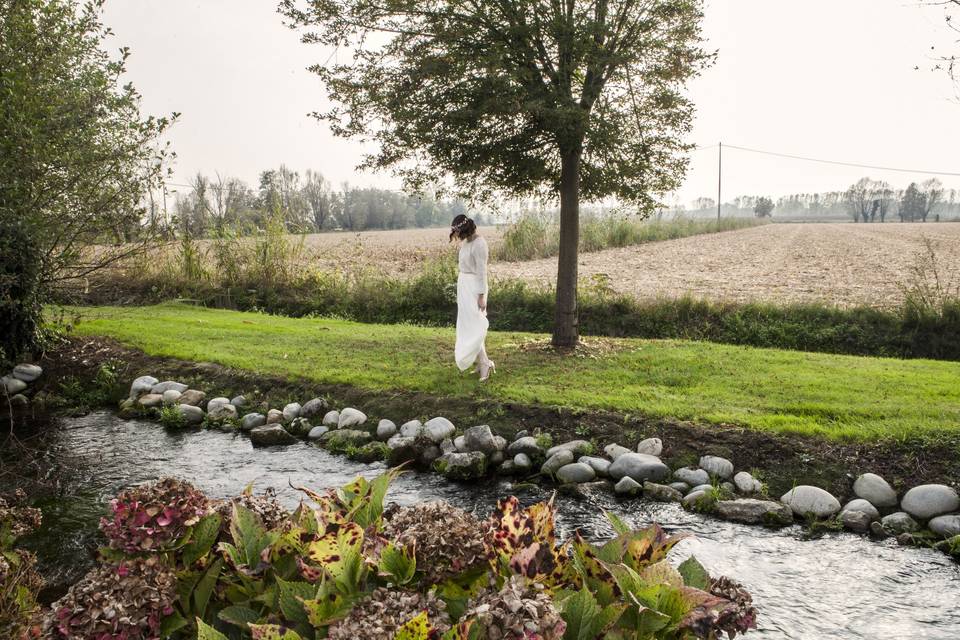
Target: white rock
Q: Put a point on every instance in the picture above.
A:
(313, 408)
(216, 403)
(274, 416)
(640, 467)
(897, 523)
(692, 497)
(160, 387)
(252, 421)
(930, 500)
(171, 396)
(191, 414)
(411, 429)
(222, 411)
(331, 419)
(522, 462)
(945, 526)
(600, 465)
(460, 444)
(557, 460)
(351, 417)
(142, 386)
(576, 447)
(717, 466)
(386, 429)
(627, 486)
(650, 446)
(524, 444)
(875, 490)
(859, 504)
(806, 499)
(691, 476)
(614, 451)
(746, 483)
(291, 412)
(239, 402)
(436, 429)
(481, 439)
(317, 432)
(27, 372)
(12, 385)
(576, 473)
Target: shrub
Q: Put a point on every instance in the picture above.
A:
(20, 310)
(19, 580)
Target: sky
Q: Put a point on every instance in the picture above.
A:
(828, 79)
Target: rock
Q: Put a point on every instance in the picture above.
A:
(317, 432)
(386, 429)
(274, 416)
(906, 539)
(805, 499)
(576, 447)
(601, 466)
(522, 462)
(501, 442)
(717, 466)
(331, 419)
(343, 439)
(876, 529)
(142, 386)
(239, 402)
(746, 483)
(19, 400)
(682, 487)
(429, 454)
(27, 372)
(856, 521)
(462, 466)
(12, 385)
(150, 400)
(216, 403)
(447, 446)
(351, 417)
(192, 397)
(729, 487)
(692, 476)
(269, 435)
(171, 397)
(930, 500)
(661, 492)
(864, 506)
(640, 467)
(314, 408)
(945, 526)
(411, 429)
(460, 444)
(299, 427)
(627, 486)
(702, 487)
(507, 468)
(402, 449)
(614, 451)
(692, 497)
(252, 421)
(557, 460)
(753, 511)
(576, 473)
(496, 458)
(221, 412)
(191, 415)
(875, 490)
(480, 439)
(160, 387)
(291, 412)
(650, 446)
(436, 429)
(526, 445)
(897, 523)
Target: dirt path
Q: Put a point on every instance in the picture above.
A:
(843, 264)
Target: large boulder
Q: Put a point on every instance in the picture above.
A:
(576, 473)
(752, 511)
(351, 417)
(480, 439)
(661, 492)
(252, 421)
(557, 460)
(614, 451)
(192, 397)
(411, 429)
(805, 499)
(291, 412)
(875, 490)
(930, 500)
(526, 445)
(945, 526)
(600, 465)
(142, 386)
(27, 372)
(402, 449)
(640, 467)
(717, 466)
(897, 523)
(650, 446)
(746, 483)
(576, 447)
(331, 419)
(627, 486)
(270, 435)
(692, 476)
(439, 428)
(859, 504)
(386, 429)
(314, 408)
(191, 415)
(160, 387)
(462, 466)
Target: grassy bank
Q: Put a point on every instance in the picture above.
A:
(838, 397)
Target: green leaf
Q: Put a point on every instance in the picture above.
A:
(463, 630)
(398, 564)
(172, 623)
(238, 616)
(329, 606)
(292, 595)
(206, 632)
(585, 618)
(694, 575)
(201, 594)
(247, 534)
(417, 628)
(621, 527)
(273, 632)
(186, 582)
(205, 535)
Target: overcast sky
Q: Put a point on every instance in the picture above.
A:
(831, 79)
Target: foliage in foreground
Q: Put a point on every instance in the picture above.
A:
(19, 581)
(181, 566)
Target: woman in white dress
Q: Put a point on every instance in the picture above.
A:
(472, 321)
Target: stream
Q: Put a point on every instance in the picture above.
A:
(838, 586)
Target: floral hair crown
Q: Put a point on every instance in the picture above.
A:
(460, 225)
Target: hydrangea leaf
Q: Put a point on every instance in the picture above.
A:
(585, 618)
(239, 616)
(204, 535)
(273, 632)
(398, 564)
(292, 595)
(417, 628)
(206, 632)
(694, 574)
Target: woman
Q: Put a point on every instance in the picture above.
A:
(471, 298)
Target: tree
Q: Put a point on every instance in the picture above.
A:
(76, 157)
(859, 200)
(573, 100)
(951, 14)
(316, 192)
(912, 204)
(883, 199)
(932, 191)
(764, 207)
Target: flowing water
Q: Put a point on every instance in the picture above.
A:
(837, 586)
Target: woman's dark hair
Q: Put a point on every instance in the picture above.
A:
(462, 227)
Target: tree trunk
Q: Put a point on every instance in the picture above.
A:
(565, 320)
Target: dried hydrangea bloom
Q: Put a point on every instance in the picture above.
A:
(379, 615)
(153, 515)
(266, 506)
(126, 601)
(736, 619)
(448, 540)
(518, 611)
(22, 519)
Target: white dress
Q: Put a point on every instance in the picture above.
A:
(472, 323)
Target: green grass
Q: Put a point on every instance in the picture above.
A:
(839, 397)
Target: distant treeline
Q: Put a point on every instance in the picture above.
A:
(305, 203)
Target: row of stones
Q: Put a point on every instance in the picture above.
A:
(18, 381)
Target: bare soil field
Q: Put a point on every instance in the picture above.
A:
(842, 264)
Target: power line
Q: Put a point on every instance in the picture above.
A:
(841, 163)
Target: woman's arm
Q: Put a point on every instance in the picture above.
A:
(481, 255)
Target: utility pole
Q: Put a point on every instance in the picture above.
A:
(719, 178)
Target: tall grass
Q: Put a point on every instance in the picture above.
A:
(538, 236)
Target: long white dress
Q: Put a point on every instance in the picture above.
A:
(472, 323)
